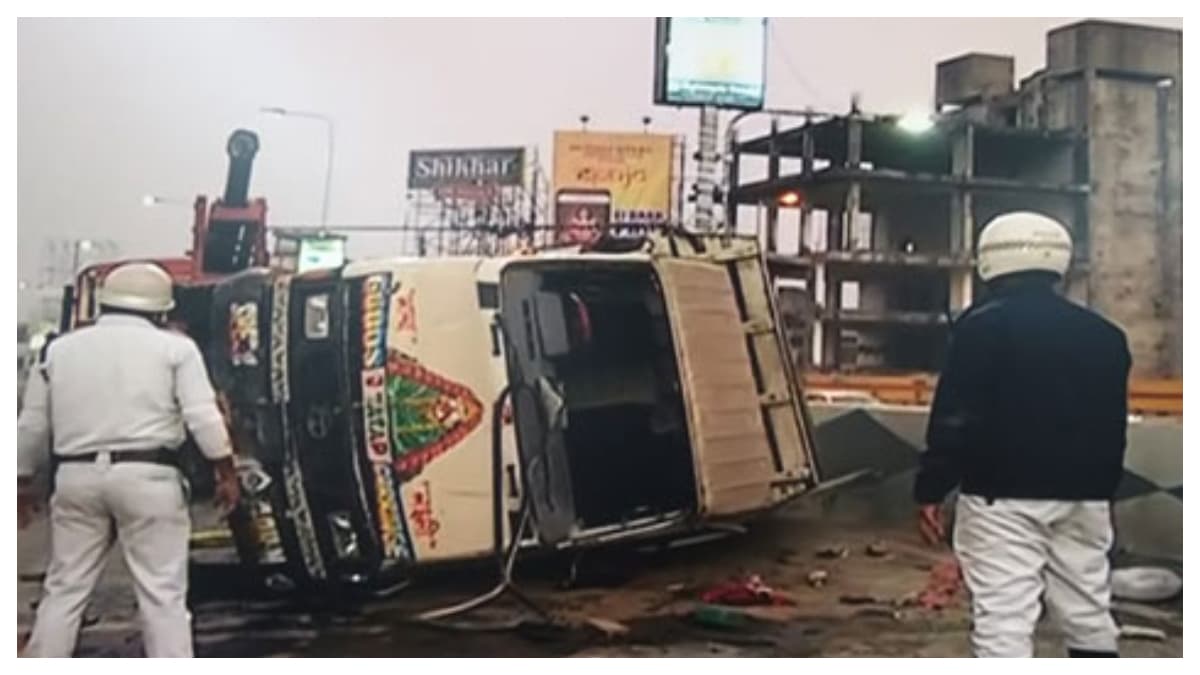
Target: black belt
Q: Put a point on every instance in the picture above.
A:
(156, 456)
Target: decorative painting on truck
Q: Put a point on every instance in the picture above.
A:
(243, 334)
(376, 297)
(429, 413)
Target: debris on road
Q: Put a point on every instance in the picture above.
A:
(716, 616)
(858, 600)
(878, 549)
(942, 587)
(818, 578)
(749, 590)
(880, 613)
(607, 627)
(679, 589)
(833, 551)
(1146, 584)
(1143, 633)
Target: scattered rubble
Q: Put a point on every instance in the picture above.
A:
(880, 613)
(607, 627)
(1143, 633)
(750, 590)
(833, 551)
(1146, 584)
(878, 549)
(818, 578)
(858, 600)
(716, 616)
(942, 587)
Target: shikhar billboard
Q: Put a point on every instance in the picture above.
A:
(630, 171)
(432, 169)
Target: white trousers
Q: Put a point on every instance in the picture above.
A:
(142, 506)
(1016, 552)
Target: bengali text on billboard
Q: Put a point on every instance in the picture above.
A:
(634, 169)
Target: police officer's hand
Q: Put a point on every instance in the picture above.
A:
(931, 524)
(227, 489)
(27, 502)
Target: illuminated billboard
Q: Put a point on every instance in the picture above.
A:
(318, 253)
(711, 61)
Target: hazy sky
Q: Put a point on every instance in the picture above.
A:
(110, 110)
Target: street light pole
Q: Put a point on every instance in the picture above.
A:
(329, 131)
(80, 245)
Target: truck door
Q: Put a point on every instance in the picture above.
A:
(527, 314)
(749, 437)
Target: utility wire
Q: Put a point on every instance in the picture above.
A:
(791, 66)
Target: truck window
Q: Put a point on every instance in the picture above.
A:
(316, 317)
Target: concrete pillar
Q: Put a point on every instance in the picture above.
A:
(773, 174)
(805, 222)
(809, 150)
(849, 216)
(853, 141)
(962, 217)
(731, 184)
(818, 296)
(833, 331)
(854, 193)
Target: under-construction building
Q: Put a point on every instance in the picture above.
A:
(888, 214)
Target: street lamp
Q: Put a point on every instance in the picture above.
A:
(915, 122)
(81, 246)
(285, 112)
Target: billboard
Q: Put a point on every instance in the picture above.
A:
(431, 169)
(711, 61)
(633, 169)
(317, 253)
(582, 215)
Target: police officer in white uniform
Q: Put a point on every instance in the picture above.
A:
(1029, 422)
(108, 412)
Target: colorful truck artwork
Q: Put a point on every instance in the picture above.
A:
(376, 292)
(243, 334)
(424, 522)
(429, 413)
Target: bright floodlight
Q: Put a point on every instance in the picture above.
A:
(916, 122)
(149, 200)
(85, 245)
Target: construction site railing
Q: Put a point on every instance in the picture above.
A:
(1147, 397)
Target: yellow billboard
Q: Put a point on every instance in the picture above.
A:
(633, 169)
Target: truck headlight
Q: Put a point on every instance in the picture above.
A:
(345, 539)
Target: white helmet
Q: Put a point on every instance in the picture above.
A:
(1023, 241)
(138, 287)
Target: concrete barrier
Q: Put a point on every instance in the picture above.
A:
(889, 439)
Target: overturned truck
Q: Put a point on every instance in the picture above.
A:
(393, 414)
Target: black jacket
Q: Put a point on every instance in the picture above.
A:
(1032, 402)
